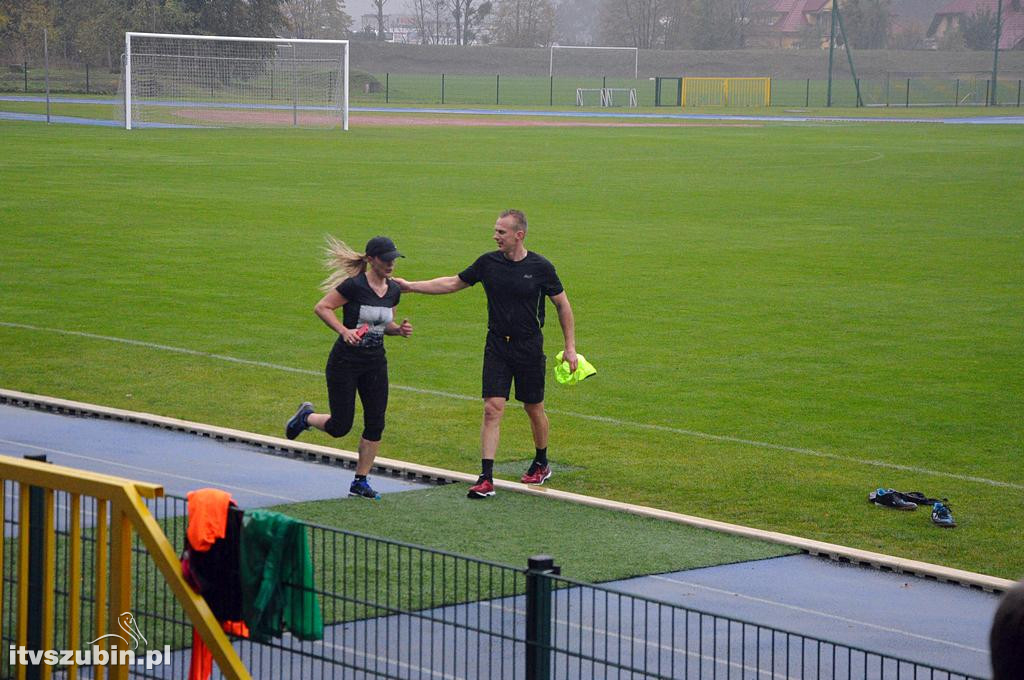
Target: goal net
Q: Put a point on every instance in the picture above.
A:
(606, 96)
(200, 80)
(727, 92)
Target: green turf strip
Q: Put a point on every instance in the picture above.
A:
(589, 544)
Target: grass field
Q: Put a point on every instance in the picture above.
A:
(783, 317)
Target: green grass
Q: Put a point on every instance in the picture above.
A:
(783, 317)
(515, 527)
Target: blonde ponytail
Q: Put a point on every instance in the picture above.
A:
(342, 262)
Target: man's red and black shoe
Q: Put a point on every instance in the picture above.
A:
(537, 474)
(483, 488)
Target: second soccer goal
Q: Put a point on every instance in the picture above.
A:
(199, 80)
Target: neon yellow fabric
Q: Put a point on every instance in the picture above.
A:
(584, 369)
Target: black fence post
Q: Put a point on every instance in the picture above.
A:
(1018, 94)
(87, 77)
(442, 89)
(539, 570)
(988, 92)
(36, 569)
(956, 96)
(497, 89)
(908, 93)
(551, 91)
(387, 88)
(24, 70)
(807, 97)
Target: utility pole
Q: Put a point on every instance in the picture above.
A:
(995, 57)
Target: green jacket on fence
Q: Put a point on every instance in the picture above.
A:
(277, 578)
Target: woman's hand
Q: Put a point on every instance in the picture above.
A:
(350, 336)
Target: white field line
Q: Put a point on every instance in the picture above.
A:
(817, 612)
(581, 416)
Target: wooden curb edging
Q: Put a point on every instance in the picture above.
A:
(329, 455)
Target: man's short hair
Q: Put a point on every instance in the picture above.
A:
(519, 216)
(1006, 640)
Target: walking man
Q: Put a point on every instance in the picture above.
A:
(515, 281)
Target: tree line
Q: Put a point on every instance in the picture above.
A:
(92, 31)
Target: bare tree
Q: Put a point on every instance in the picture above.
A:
(524, 23)
(467, 16)
(317, 18)
(633, 23)
(379, 6)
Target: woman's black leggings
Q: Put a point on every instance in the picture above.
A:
(346, 377)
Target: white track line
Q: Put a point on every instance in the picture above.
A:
(151, 470)
(817, 612)
(582, 416)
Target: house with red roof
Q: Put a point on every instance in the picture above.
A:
(788, 23)
(1012, 34)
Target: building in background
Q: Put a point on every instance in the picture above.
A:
(949, 17)
(788, 23)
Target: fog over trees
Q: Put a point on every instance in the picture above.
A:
(93, 30)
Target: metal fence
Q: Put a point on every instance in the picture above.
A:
(498, 90)
(394, 610)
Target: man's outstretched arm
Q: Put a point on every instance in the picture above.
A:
(438, 286)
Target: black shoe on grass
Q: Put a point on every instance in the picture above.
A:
(298, 424)
(887, 498)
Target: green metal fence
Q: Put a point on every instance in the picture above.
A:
(395, 610)
(499, 90)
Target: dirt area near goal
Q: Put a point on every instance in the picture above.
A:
(400, 119)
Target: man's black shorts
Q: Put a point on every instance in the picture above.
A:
(519, 359)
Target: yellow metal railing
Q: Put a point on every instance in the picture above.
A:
(120, 510)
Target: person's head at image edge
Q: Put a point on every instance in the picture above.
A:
(1006, 640)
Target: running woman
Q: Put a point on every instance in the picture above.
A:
(360, 285)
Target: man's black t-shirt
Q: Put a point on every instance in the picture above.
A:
(515, 291)
(364, 306)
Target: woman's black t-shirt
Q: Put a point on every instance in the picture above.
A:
(364, 307)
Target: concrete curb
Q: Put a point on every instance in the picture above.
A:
(328, 455)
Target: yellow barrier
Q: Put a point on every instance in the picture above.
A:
(710, 91)
(120, 500)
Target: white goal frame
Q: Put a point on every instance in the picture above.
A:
(607, 95)
(635, 50)
(343, 65)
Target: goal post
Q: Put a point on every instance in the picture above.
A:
(634, 50)
(705, 91)
(201, 80)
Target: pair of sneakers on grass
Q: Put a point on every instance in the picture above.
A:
(900, 500)
(538, 473)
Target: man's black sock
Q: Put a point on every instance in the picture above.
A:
(541, 458)
(360, 478)
(487, 468)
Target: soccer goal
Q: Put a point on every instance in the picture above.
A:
(606, 96)
(223, 81)
(598, 53)
(727, 92)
